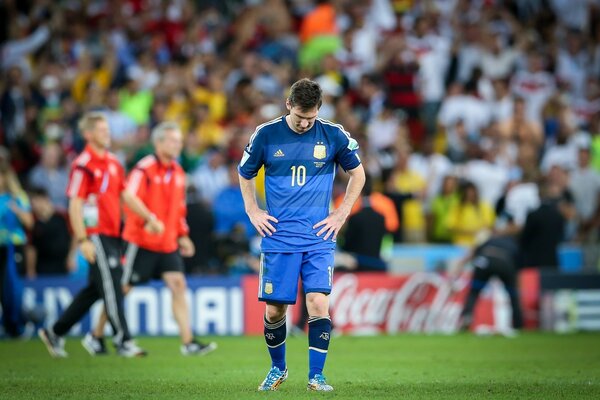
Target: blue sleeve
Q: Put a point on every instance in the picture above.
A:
(23, 202)
(346, 151)
(253, 159)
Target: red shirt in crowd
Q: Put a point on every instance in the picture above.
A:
(161, 187)
(99, 181)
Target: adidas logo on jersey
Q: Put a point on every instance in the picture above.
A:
(278, 153)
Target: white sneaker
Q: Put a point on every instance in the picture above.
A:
(93, 345)
(197, 348)
(130, 349)
(55, 344)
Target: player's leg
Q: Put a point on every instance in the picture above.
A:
(507, 273)
(108, 260)
(94, 342)
(175, 281)
(52, 336)
(278, 287)
(317, 279)
(275, 335)
(481, 276)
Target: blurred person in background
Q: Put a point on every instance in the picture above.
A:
(201, 222)
(52, 175)
(545, 227)
(407, 189)
(15, 220)
(363, 235)
(535, 85)
(518, 128)
(584, 183)
(500, 257)
(210, 177)
(159, 182)
(233, 229)
(14, 100)
(469, 216)
(437, 218)
(51, 250)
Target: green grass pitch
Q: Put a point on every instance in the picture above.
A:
(531, 366)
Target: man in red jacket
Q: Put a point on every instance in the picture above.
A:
(159, 181)
(96, 189)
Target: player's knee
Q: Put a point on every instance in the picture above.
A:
(317, 304)
(177, 285)
(275, 313)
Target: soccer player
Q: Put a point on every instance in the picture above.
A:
(159, 181)
(300, 153)
(96, 187)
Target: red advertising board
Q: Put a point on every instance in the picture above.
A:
(372, 303)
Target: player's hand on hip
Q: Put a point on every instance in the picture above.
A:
(88, 251)
(331, 225)
(262, 222)
(186, 246)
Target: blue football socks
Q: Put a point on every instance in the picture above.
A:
(275, 334)
(319, 332)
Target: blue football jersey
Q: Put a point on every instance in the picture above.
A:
(299, 174)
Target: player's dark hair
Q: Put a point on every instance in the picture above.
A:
(306, 94)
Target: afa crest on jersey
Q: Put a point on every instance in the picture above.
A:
(268, 288)
(320, 152)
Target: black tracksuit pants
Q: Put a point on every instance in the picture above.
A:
(104, 282)
(487, 267)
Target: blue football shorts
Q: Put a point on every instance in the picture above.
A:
(279, 273)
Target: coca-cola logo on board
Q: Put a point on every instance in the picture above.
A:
(423, 302)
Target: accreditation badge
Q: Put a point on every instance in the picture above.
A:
(320, 152)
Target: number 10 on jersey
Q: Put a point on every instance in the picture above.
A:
(298, 175)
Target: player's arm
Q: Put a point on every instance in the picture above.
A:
(259, 217)
(335, 220)
(186, 246)
(85, 245)
(77, 191)
(136, 205)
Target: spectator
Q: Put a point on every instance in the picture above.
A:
(469, 216)
(439, 211)
(364, 235)
(228, 208)
(519, 129)
(544, 229)
(585, 186)
(51, 175)
(535, 85)
(201, 222)
(15, 220)
(407, 188)
(51, 244)
(211, 177)
(13, 103)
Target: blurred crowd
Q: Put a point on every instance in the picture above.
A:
(472, 115)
